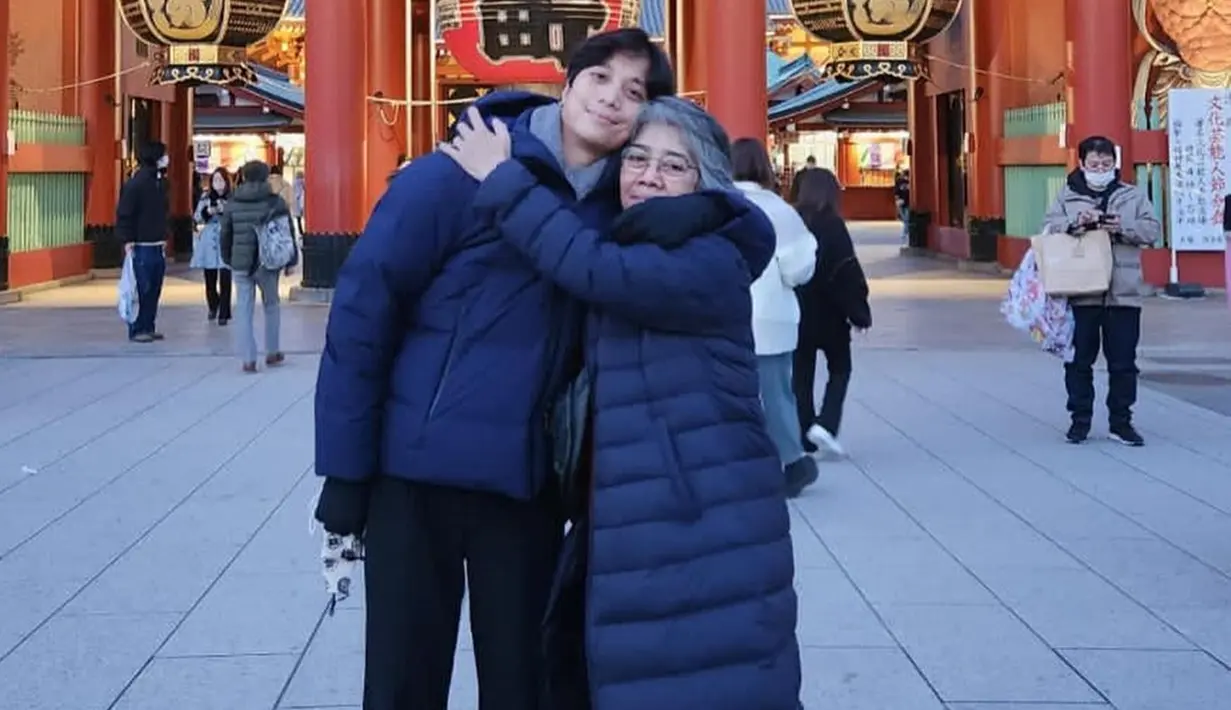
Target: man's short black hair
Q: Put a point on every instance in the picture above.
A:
(150, 153)
(1099, 145)
(275, 169)
(254, 171)
(597, 50)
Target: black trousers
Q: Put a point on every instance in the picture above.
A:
(423, 543)
(803, 381)
(1118, 330)
(218, 292)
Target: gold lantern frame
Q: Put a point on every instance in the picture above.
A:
(202, 41)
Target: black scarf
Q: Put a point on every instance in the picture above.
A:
(1077, 183)
(670, 222)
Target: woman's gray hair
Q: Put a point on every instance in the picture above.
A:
(708, 144)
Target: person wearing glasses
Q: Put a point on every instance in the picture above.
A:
(676, 584)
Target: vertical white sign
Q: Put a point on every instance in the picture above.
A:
(202, 150)
(1198, 124)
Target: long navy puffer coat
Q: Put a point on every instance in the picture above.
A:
(689, 599)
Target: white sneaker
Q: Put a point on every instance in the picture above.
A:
(818, 435)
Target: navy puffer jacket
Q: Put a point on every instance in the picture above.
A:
(689, 598)
(444, 348)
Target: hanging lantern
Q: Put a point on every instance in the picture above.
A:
(202, 41)
(875, 38)
(525, 41)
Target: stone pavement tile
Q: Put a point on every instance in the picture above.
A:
(284, 543)
(1155, 680)
(104, 526)
(1028, 706)
(982, 653)
(209, 683)
(27, 603)
(844, 503)
(808, 548)
(52, 442)
(1202, 477)
(172, 566)
(1208, 629)
(21, 380)
(49, 406)
(1074, 608)
(251, 613)
(40, 498)
(863, 679)
(331, 672)
(907, 571)
(1037, 390)
(1155, 573)
(1151, 503)
(833, 614)
(80, 662)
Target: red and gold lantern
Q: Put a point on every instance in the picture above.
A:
(202, 41)
(526, 41)
(875, 38)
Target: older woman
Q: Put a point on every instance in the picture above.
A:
(684, 549)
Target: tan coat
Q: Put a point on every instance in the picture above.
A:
(286, 191)
(1140, 228)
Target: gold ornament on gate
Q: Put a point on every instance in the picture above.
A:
(1190, 47)
(202, 41)
(875, 38)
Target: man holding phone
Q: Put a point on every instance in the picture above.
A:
(1094, 199)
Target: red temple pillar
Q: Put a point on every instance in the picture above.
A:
(738, 100)
(1100, 73)
(696, 55)
(421, 139)
(693, 16)
(386, 78)
(990, 52)
(335, 106)
(96, 22)
(924, 154)
(181, 173)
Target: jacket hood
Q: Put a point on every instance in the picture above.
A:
(509, 106)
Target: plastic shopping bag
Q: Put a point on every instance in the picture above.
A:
(1048, 320)
(127, 292)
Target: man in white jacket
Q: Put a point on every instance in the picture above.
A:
(775, 310)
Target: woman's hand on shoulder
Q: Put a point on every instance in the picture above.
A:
(478, 149)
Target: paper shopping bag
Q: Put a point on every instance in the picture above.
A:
(1074, 266)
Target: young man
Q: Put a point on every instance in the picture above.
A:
(1093, 198)
(141, 224)
(443, 353)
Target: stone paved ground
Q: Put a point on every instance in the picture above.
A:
(154, 548)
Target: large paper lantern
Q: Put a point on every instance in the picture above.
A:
(525, 41)
(875, 38)
(202, 41)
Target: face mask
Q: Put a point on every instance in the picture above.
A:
(1099, 180)
(163, 162)
(220, 186)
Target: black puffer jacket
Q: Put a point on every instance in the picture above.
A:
(837, 296)
(251, 205)
(141, 214)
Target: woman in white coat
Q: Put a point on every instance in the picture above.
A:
(775, 309)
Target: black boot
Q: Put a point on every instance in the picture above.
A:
(799, 475)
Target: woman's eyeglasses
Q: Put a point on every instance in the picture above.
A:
(671, 167)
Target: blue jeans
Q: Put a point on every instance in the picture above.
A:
(150, 267)
(246, 286)
(778, 400)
